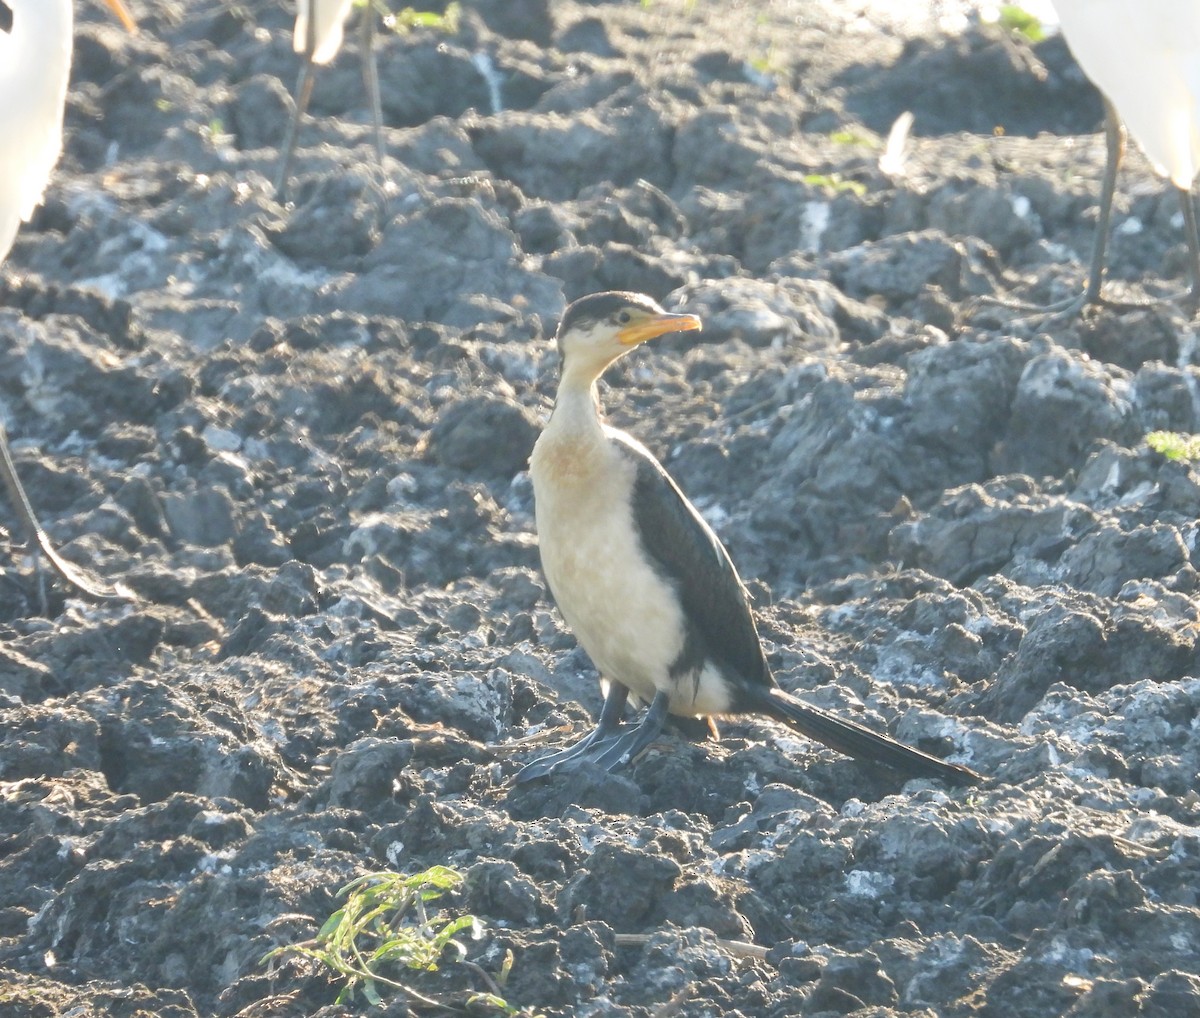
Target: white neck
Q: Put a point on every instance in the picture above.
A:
(577, 406)
(567, 450)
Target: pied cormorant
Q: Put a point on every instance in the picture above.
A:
(643, 582)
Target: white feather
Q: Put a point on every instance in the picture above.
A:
(329, 20)
(1144, 55)
(35, 66)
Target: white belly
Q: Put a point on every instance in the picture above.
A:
(623, 613)
(1145, 56)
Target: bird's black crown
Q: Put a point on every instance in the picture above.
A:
(599, 307)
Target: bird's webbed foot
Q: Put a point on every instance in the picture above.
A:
(610, 746)
(1043, 316)
(621, 748)
(574, 756)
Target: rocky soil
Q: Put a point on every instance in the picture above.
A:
(298, 433)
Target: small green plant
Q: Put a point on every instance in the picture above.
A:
(848, 136)
(387, 926)
(1175, 445)
(408, 18)
(688, 5)
(765, 62)
(215, 129)
(1018, 20)
(835, 183)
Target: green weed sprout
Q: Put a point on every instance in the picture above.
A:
(1175, 445)
(1017, 19)
(408, 18)
(850, 136)
(835, 183)
(386, 926)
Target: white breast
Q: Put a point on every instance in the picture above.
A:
(623, 613)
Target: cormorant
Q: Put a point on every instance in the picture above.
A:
(646, 586)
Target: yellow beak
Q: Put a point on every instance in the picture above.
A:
(122, 13)
(656, 325)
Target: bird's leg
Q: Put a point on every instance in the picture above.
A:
(612, 711)
(371, 77)
(304, 87)
(39, 543)
(1065, 310)
(621, 749)
(1193, 240)
(1114, 145)
(1115, 138)
(606, 728)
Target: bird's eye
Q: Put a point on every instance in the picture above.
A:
(623, 317)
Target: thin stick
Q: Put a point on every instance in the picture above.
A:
(738, 948)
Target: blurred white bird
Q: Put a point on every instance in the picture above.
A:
(1144, 56)
(326, 20)
(318, 36)
(36, 38)
(35, 65)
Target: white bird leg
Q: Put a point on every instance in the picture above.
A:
(1114, 145)
(1188, 206)
(1143, 56)
(1115, 137)
(37, 36)
(370, 72)
(304, 87)
(303, 95)
(39, 542)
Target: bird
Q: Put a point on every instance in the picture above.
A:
(318, 34)
(646, 586)
(1144, 57)
(35, 63)
(36, 42)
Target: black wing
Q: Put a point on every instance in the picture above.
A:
(692, 558)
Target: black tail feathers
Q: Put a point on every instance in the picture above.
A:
(859, 742)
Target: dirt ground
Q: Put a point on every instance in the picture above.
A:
(298, 434)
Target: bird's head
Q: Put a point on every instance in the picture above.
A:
(597, 329)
